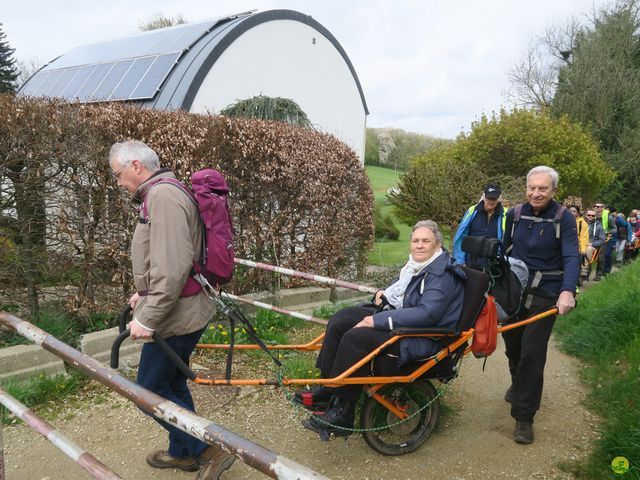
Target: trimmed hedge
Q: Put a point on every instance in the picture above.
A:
(299, 198)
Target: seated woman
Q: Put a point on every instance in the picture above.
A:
(428, 293)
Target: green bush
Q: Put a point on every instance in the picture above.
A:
(385, 227)
(442, 183)
(604, 332)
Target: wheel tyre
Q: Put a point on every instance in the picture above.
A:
(405, 437)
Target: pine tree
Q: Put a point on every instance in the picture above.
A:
(8, 70)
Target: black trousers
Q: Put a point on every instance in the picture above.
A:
(526, 349)
(344, 346)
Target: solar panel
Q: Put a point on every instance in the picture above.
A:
(154, 77)
(86, 91)
(63, 81)
(35, 83)
(76, 82)
(103, 92)
(51, 83)
(132, 78)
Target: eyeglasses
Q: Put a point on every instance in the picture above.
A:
(117, 174)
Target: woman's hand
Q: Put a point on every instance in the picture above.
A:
(378, 298)
(365, 322)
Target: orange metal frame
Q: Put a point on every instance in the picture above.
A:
(345, 378)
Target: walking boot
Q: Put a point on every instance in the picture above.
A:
(214, 461)
(336, 420)
(523, 432)
(162, 459)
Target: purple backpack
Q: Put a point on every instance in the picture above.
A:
(209, 194)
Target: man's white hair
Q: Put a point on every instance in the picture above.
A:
(130, 150)
(549, 171)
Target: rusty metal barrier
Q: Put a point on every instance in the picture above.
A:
(254, 455)
(85, 460)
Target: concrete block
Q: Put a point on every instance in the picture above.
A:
(22, 361)
(341, 294)
(98, 345)
(304, 295)
(129, 355)
(97, 342)
(264, 297)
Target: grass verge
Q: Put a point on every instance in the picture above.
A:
(40, 390)
(604, 333)
(387, 252)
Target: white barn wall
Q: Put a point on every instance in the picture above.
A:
(279, 59)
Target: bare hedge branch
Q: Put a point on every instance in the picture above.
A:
(299, 197)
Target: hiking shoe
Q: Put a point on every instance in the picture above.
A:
(214, 461)
(314, 399)
(508, 396)
(337, 420)
(523, 432)
(162, 459)
(597, 278)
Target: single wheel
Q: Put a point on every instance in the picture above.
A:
(384, 434)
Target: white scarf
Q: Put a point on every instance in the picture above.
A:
(395, 292)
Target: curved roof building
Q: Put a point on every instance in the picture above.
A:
(205, 66)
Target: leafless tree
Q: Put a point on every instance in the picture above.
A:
(158, 20)
(26, 68)
(534, 78)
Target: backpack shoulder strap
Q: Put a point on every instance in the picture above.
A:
(558, 219)
(168, 181)
(517, 213)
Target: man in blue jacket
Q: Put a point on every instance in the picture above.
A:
(542, 233)
(485, 219)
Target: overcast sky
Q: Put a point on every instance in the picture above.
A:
(427, 66)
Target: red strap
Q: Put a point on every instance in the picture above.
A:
(307, 399)
(191, 288)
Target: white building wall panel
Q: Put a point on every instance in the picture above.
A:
(285, 58)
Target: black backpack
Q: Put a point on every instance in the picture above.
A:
(507, 285)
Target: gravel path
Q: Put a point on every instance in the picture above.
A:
(473, 442)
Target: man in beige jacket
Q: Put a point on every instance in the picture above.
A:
(166, 242)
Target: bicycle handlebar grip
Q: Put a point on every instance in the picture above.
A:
(122, 319)
(115, 348)
(124, 334)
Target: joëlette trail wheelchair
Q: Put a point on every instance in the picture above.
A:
(400, 407)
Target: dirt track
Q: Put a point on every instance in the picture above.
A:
(472, 442)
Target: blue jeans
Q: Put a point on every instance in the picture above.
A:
(160, 375)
